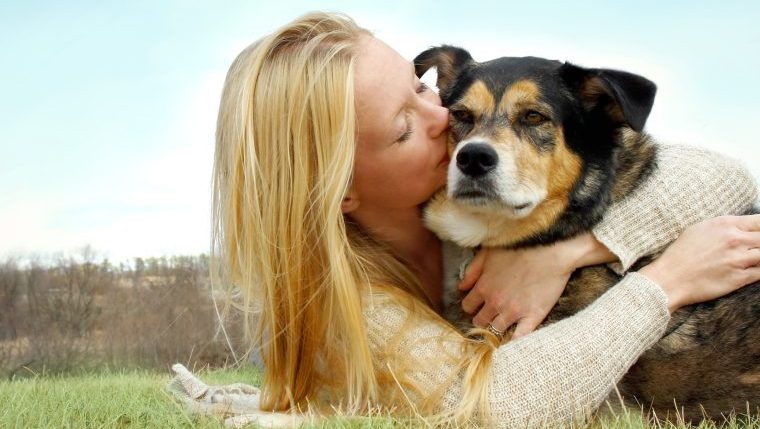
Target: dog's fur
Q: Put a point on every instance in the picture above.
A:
(540, 149)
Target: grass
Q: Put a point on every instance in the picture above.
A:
(136, 399)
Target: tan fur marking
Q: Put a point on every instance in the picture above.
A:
(521, 92)
(561, 168)
(445, 69)
(564, 170)
(679, 340)
(479, 99)
(750, 378)
(593, 89)
(511, 231)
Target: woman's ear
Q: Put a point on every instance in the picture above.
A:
(350, 202)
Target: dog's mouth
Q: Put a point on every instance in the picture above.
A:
(481, 197)
(472, 196)
(474, 193)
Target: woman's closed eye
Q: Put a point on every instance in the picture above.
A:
(421, 88)
(408, 133)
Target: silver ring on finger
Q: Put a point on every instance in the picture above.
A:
(499, 334)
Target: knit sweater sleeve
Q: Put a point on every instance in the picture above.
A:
(554, 376)
(688, 185)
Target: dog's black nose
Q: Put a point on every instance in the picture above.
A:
(476, 159)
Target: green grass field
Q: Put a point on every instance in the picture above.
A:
(134, 399)
(137, 399)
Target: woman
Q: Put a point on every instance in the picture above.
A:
(327, 146)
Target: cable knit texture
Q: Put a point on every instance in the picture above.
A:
(562, 373)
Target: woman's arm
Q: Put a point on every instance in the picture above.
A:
(563, 372)
(550, 378)
(688, 185)
(521, 286)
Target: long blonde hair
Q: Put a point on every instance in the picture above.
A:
(285, 144)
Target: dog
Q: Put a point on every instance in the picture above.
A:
(540, 149)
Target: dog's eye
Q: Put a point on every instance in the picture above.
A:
(534, 118)
(462, 116)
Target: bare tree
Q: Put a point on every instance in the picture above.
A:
(10, 291)
(72, 312)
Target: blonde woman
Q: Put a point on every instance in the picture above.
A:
(327, 145)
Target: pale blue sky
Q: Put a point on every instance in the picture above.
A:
(107, 109)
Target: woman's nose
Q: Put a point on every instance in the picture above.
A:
(438, 116)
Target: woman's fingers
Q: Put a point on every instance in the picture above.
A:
(525, 326)
(473, 272)
(472, 301)
(751, 238)
(708, 260)
(750, 258)
(751, 275)
(749, 222)
(485, 316)
(504, 321)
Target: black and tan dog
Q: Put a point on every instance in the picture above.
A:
(542, 148)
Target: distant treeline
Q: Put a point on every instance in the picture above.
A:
(74, 313)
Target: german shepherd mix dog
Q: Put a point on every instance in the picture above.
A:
(542, 148)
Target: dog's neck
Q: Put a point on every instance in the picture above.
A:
(635, 161)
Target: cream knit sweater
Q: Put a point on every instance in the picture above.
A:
(562, 373)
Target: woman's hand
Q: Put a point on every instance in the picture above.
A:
(710, 259)
(522, 286)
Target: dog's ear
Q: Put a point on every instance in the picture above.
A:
(449, 60)
(624, 97)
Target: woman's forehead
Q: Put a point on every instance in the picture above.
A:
(383, 80)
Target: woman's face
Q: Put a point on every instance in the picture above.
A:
(401, 155)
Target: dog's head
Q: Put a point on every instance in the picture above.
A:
(532, 137)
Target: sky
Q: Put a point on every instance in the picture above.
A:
(108, 109)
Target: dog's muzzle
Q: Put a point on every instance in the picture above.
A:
(476, 159)
(482, 178)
